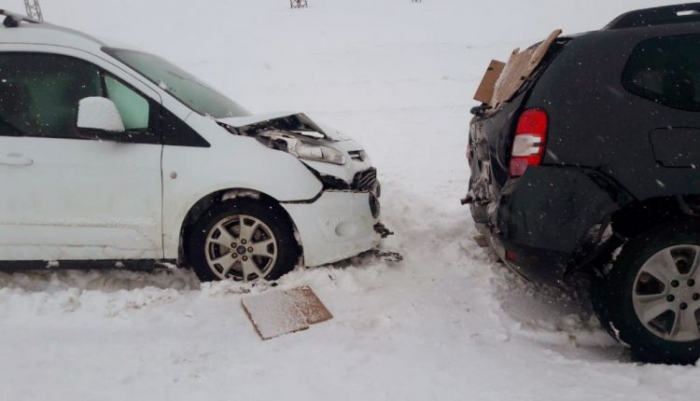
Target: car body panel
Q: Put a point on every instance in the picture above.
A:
(611, 133)
(110, 209)
(551, 207)
(43, 218)
(50, 35)
(335, 227)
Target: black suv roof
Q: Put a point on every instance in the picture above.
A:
(676, 14)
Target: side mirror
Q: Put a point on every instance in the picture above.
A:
(98, 118)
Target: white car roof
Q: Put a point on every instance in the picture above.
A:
(48, 34)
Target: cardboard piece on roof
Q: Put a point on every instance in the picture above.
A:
(519, 68)
(484, 93)
(276, 313)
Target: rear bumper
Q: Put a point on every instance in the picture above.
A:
(540, 218)
(336, 226)
(537, 265)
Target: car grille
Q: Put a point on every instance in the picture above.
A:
(365, 180)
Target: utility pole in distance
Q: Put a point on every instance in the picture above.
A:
(33, 9)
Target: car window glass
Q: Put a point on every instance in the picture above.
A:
(133, 108)
(41, 93)
(667, 71)
(185, 87)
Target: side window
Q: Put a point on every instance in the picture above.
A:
(666, 70)
(134, 108)
(40, 93)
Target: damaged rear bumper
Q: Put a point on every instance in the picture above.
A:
(537, 265)
(541, 218)
(336, 226)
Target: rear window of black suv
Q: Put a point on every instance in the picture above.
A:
(666, 70)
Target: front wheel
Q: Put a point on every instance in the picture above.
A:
(242, 240)
(650, 299)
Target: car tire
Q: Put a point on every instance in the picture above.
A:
(243, 240)
(650, 298)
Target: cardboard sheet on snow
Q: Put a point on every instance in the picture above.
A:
(282, 312)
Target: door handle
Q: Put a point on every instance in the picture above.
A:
(15, 159)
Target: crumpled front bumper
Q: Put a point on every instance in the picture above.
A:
(336, 226)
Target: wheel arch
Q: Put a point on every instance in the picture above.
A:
(613, 292)
(208, 201)
(598, 245)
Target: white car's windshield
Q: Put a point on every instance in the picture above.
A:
(182, 85)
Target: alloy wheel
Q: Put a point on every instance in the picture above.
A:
(241, 247)
(666, 294)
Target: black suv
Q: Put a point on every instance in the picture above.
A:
(586, 159)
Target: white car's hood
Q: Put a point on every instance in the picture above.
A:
(301, 124)
(242, 122)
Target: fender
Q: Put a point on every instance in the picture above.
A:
(232, 162)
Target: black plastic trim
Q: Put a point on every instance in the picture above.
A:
(128, 264)
(177, 133)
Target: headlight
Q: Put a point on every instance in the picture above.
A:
(307, 149)
(316, 152)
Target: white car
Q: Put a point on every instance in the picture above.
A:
(110, 156)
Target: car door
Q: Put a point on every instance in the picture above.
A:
(65, 197)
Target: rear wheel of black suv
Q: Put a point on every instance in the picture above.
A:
(650, 299)
(242, 240)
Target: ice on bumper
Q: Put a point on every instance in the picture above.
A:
(337, 226)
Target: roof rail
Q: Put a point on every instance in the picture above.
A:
(689, 12)
(12, 20)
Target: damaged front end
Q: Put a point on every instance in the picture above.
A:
(338, 162)
(343, 220)
(295, 134)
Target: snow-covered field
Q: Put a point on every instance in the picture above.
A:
(447, 323)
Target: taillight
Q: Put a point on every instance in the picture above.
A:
(529, 141)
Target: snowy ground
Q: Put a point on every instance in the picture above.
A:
(448, 323)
